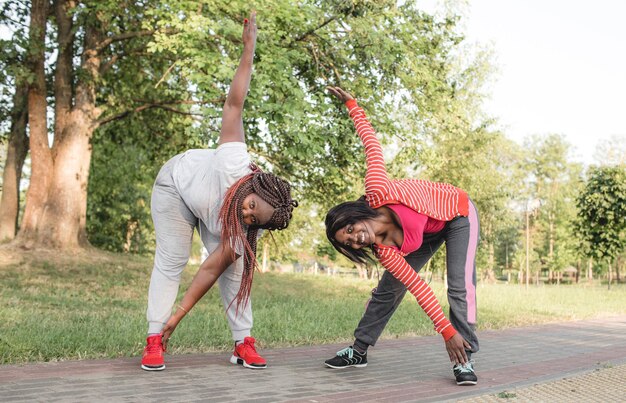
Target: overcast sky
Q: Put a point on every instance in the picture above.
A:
(561, 67)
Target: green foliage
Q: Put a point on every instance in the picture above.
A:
(147, 118)
(602, 212)
(553, 183)
(13, 19)
(380, 51)
(395, 59)
(127, 157)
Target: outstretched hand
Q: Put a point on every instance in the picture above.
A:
(249, 31)
(167, 331)
(342, 95)
(456, 347)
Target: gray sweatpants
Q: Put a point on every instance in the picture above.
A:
(461, 237)
(173, 225)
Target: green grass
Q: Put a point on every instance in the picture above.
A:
(93, 306)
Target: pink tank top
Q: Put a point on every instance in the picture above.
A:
(414, 226)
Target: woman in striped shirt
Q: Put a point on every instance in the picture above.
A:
(404, 222)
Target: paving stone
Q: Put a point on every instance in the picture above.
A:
(411, 369)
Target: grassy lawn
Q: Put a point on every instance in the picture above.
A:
(93, 305)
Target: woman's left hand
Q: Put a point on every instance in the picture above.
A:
(344, 96)
(456, 347)
(249, 31)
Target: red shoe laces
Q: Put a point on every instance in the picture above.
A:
(155, 347)
(249, 346)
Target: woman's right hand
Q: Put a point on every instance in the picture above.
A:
(167, 331)
(457, 347)
(343, 96)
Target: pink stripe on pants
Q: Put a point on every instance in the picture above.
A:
(470, 287)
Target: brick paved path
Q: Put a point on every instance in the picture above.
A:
(414, 369)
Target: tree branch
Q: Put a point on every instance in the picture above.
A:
(142, 108)
(128, 35)
(167, 72)
(106, 66)
(313, 30)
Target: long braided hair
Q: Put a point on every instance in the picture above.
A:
(277, 193)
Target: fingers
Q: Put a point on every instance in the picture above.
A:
(451, 356)
(457, 357)
(456, 351)
(339, 93)
(251, 20)
(334, 91)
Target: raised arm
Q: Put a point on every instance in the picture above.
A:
(232, 120)
(376, 179)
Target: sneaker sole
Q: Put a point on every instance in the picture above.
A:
(147, 368)
(467, 383)
(239, 361)
(346, 366)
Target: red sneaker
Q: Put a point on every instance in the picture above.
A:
(245, 354)
(153, 354)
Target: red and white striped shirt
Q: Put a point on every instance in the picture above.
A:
(441, 201)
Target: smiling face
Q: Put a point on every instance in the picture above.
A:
(356, 235)
(255, 210)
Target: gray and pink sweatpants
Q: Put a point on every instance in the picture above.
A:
(461, 236)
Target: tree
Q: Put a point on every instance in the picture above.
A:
(553, 182)
(116, 61)
(89, 31)
(13, 78)
(602, 213)
(611, 151)
(292, 126)
(37, 121)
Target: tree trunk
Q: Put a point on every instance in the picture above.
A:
(63, 224)
(537, 274)
(590, 270)
(618, 263)
(16, 154)
(63, 91)
(609, 275)
(41, 156)
(131, 227)
(62, 203)
(490, 274)
(64, 220)
(551, 249)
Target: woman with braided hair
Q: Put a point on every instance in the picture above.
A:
(229, 200)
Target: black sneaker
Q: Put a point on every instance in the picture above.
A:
(464, 373)
(348, 357)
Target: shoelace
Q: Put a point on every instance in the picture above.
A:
(154, 347)
(249, 345)
(465, 368)
(347, 350)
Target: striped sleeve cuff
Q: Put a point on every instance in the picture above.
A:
(448, 331)
(351, 103)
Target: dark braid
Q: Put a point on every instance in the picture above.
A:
(277, 193)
